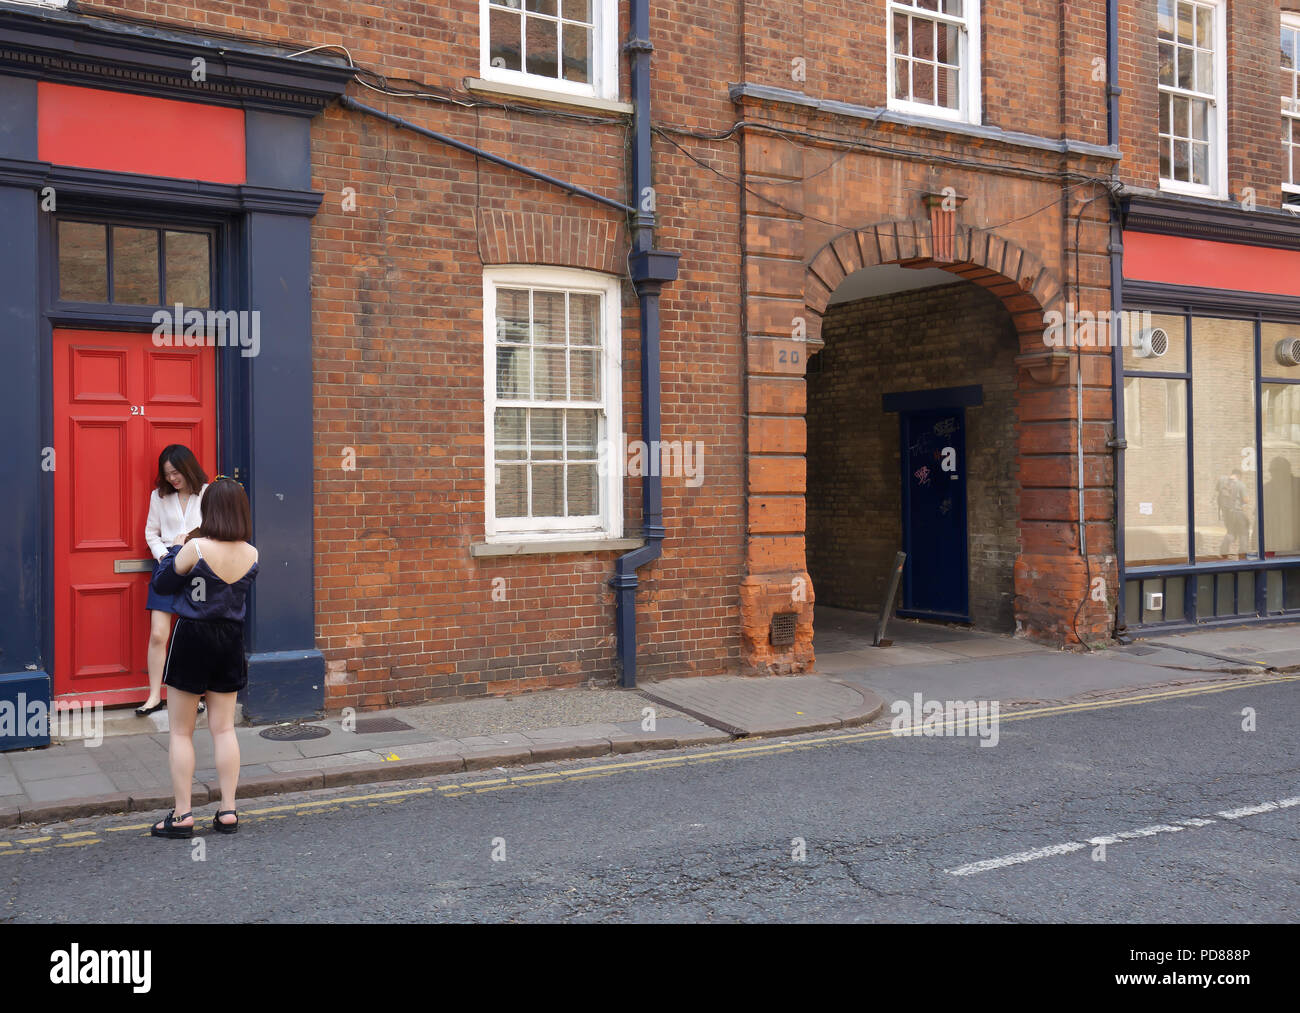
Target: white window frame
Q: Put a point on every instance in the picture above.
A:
(1291, 110)
(604, 56)
(609, 522)
(969, 77)
(1217, 126)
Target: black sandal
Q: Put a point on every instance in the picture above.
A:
(169, 828)
(224, 828)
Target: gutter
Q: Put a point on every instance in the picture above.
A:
(650, 270)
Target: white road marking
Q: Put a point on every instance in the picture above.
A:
(1016, 859)
(1124, 835)
(1263, 807)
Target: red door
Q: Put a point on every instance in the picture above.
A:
(118, 400)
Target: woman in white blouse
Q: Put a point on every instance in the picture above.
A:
(173, 513)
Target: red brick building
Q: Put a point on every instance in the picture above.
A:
(466, 285)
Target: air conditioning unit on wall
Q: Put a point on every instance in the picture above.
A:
(1287, 351)
(1152, 343)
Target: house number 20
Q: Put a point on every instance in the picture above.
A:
(793, 356)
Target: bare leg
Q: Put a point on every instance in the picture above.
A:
(182, 710)
(225, 744)
(160, 628)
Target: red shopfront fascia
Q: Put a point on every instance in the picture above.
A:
(1205, 263)
(90, 128)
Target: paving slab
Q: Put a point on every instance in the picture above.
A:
(52, 789)
(768, 706)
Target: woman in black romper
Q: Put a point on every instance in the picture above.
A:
(210, 576)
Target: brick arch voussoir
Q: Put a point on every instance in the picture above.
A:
(1025, 285)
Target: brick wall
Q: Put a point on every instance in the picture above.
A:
(940, 337)
(404, 612)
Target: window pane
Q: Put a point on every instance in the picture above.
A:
(511, 491)
(548, 490)
(1165, 23)
(1166, 63)
(548, 374)
(548, 318)
(1205, 27)
(902, 79)
(188, 269)
(511, 438)
(546, 434)
(1173, 361)
(580, 441)
(540, 47)
(584, 319)
(578, 10)
(83, 262)
(512, 373)
(923, 83)
(135, 267)
(900, 34)
(1185, 31)
(504, 46)
(583, 490)
(542, 6)
(1223, 408)
(577, 53)
(1155, 474)
(512, 315)
(584, 376)
(1205, 72)
(1281, 463)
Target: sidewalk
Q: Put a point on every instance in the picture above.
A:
(127, 771)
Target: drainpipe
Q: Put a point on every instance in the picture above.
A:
(1116, 250)
(650, 269)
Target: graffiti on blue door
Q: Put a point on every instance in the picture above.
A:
(933, 454)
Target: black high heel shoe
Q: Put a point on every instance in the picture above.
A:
(142, 711)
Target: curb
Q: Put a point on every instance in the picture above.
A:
(264, 785)
(872, 706)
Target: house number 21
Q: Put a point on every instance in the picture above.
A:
(137, 409)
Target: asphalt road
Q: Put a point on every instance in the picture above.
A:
(894, 829)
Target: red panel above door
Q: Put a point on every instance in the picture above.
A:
(1206, 263)
(96, 129)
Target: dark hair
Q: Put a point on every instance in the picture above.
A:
(184, 461)
(225, 512)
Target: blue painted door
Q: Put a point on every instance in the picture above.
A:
(933, 454)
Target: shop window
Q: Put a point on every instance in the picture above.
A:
(1191, 93)
(1280, 460)
(127, 265)
(1291, 107)
(1155, 509)
(552, 403)
(1223, 440)
(934, 58)
(563, 45)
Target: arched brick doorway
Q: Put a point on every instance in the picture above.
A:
(1052, 577)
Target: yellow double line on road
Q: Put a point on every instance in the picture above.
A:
(722, 752)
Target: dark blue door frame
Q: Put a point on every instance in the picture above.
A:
(263, 262)
(932, 466)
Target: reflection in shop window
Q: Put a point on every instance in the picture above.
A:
(1281, 463)
(1155, 473)
(1223, 439)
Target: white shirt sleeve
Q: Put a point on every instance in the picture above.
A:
(153, 527)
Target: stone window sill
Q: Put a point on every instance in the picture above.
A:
(558, 547)
(477, 84)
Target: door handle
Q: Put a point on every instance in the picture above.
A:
(133, 566)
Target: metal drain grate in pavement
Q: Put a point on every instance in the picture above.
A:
(293, 733)
(368, 726)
